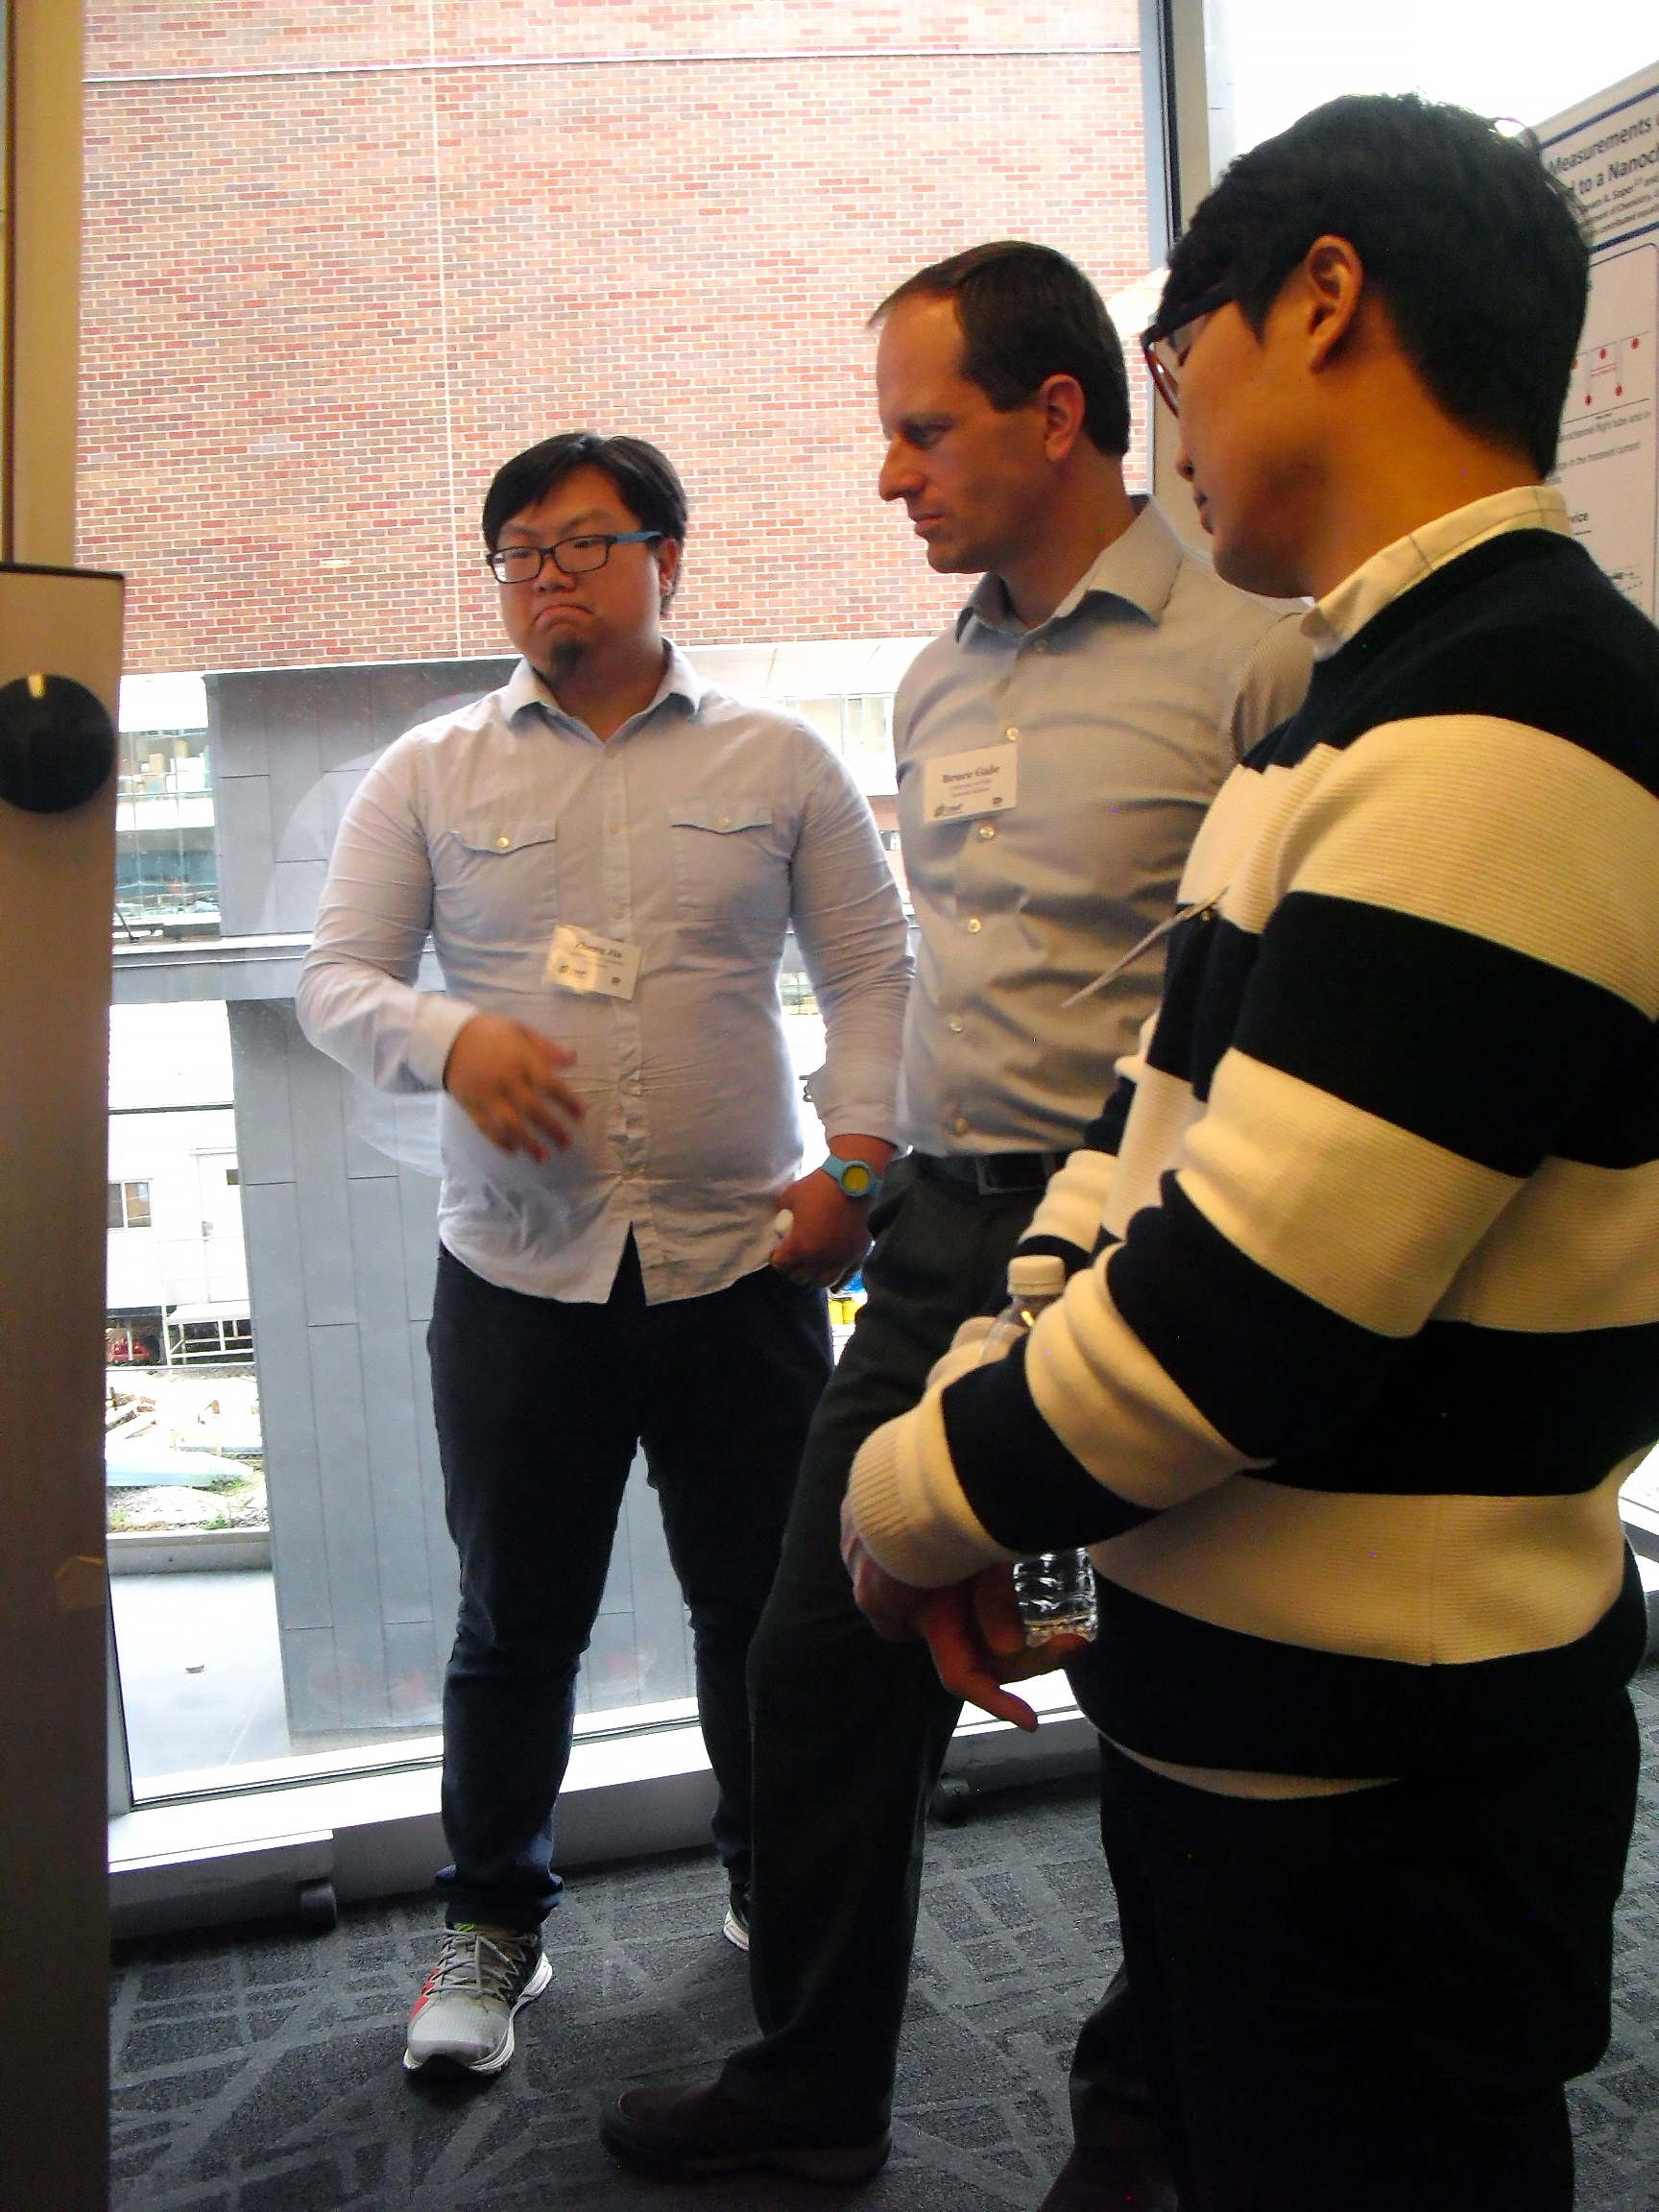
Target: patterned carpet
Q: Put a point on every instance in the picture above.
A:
(258, 2071)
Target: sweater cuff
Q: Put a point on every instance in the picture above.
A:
(438, 1019)
(910, 1507)
(1073, 1206)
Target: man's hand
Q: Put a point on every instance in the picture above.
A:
(892, 1608)
(977, 1640)
(506, 1076)
(830, 1232)
(972, 1628)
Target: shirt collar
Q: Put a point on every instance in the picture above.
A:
(1139, 567)
(1346, 610)
(525, 688)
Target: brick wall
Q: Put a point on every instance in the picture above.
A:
(340, 262)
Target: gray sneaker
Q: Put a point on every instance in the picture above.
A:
(463, 2015)
(736, 1928)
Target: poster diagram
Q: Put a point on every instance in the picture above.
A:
(1609, 460)
(1607, 152)
(1608, 374)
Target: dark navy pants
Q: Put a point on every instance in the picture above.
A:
(1369, 2003)
(851, 1732)
(541, 1405)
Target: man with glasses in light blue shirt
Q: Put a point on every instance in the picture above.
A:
(608, 854)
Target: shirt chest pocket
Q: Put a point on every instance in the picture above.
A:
(730, 868)
(495, 880)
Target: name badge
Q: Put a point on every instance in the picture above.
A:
(957, 785)
(582, 960)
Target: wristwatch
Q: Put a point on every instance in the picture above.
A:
(856, 1177)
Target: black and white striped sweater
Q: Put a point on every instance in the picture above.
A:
(1370, 1338)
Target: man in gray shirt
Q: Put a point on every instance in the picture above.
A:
(1057, 750)
(607, 853)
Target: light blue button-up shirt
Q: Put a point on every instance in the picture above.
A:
(1127, 710)
(700, 831)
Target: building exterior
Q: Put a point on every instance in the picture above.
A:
(340, 262)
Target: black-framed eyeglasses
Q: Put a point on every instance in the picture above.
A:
(575, 556)
(1164, 343)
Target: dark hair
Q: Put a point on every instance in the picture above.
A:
(1478, 253)
(645, 480)
(1027, 314)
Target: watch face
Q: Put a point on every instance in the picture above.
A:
(857, 1178)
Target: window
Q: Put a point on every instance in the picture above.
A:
(264, 391)
(860, 729)
(1268, 62)
(207, 1339)
(128, 1205)
(166, 877)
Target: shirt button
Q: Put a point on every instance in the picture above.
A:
(724, 822)
(955, 1025)
(987, 828)
(960, 1125)
(974, 926)
(1040, 645)
(1010, 732)
(502, 843)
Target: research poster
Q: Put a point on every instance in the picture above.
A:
(1607, 151)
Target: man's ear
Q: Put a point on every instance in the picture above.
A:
(1332, 284)
(1063, 408)
(667, 572)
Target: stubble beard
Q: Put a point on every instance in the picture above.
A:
(564, 661)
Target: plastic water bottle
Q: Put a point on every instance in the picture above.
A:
(1056, 1589)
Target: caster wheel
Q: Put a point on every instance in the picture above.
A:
(318, 1907)
(951, 1797)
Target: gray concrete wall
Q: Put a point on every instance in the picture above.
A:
(288, 748)
(341, 1254)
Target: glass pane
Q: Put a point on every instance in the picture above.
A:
(166, 877)
(266, 390)
(1268, 62)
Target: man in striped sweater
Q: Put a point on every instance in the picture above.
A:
(1362, 1333)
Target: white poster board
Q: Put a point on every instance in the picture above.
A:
(1607, 150)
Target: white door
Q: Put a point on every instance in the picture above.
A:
(222, 1227)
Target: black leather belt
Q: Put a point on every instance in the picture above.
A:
(994, 1174)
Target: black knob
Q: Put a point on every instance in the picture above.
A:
(57, 743)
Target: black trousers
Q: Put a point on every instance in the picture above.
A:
(850, 1732)
(1370, 2002)
(541, 1405)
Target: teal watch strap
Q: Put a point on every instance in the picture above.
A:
(856, 1177)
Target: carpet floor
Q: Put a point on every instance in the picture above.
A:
(257, 2069)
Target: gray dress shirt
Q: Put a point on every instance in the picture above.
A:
(699, 832)
(1127, 710)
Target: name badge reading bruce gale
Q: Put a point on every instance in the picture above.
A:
(958, 784)
(582, 960)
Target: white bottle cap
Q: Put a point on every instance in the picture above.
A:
(1036, 1275)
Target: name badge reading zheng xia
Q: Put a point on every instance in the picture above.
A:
(582, 960)
(957, 785)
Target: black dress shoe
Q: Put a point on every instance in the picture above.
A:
(685, 2134)
(1096, 2180)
